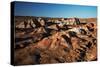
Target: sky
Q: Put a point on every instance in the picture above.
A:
(54, 10)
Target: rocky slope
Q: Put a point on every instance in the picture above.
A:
(38, 41)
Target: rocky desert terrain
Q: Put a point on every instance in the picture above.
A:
(45, 40)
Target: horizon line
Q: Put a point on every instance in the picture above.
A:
(56, 17)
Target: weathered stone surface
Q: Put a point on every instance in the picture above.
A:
(38, 41)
